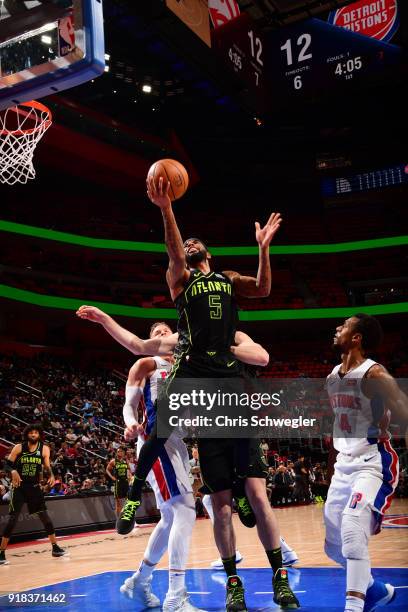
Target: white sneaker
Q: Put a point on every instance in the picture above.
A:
(140, 591)
(217, 565)
(179, 603)
(289, 558)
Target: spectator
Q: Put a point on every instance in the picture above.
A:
(265, 449)
(70, 437)
(284, 485)
(58, 488)
(301, 490)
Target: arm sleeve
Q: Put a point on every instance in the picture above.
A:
(132, 398)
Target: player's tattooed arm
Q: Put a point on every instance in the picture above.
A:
(136, 345)
(379, 382)
(248, 351)
(10, 463)
(47, 466)
(249, 286)
(109, 469)
(177, 271)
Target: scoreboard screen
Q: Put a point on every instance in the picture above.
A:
(376, 179)
(241, 46)
(300, 61)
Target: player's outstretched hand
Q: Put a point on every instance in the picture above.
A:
(158, 193)
(91, 313)
(265, 234)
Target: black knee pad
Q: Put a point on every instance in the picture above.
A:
(46, 521)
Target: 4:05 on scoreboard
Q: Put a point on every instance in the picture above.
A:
(310, 58)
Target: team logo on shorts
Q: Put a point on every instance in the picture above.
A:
(355, 499)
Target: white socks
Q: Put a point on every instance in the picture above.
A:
(144, 571)
(354, 604)
(176, 582)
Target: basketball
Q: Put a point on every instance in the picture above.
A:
(172, 171)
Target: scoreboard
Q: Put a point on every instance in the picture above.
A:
(376, 179)
(300, 61)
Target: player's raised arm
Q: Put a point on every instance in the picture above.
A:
(249, 286)
(248, 351)
(160, 345)
(177, 272)
(380, 382)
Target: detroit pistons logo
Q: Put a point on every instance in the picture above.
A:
(355, 499)
(375, 18)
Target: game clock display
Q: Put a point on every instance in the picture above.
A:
(240, 45)
(300, 61)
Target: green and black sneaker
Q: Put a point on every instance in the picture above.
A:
(127, 517)
(235, 601)
(245, 512)
(3, 560)
(283, 594)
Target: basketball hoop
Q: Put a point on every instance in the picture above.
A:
(21, 129)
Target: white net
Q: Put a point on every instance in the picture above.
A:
(21, 128)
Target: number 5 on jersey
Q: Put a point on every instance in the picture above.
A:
(215, 305)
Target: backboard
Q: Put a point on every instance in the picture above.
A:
(47, 46)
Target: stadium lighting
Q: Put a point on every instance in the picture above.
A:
(147, 88)
(47, 40)
(107, 57)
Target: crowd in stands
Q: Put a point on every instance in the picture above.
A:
(139, 279)
(81, 413)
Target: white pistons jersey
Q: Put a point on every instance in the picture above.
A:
(360, 422)
(169, 476)
(163, 367)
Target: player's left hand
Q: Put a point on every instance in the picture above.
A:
(158, 193)
(265, 234)
(51, 480)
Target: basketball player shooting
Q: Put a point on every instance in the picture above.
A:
(169, 477)
(248, 352)
(363, 395)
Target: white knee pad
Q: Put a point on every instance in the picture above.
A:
(355, 530)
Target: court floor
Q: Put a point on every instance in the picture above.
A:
(98, 563)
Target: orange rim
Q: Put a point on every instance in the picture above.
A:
(38, 106)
